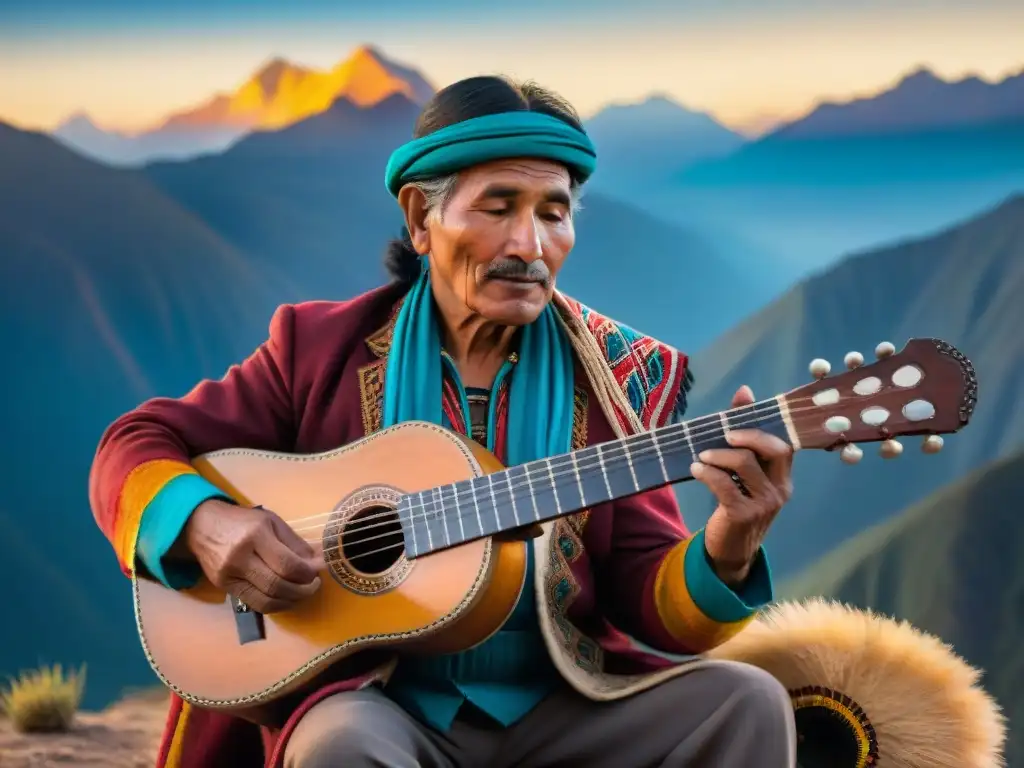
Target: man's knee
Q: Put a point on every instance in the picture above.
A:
(760, 696)
(340, 730)
(757, 713)
(741, 693)
(341, 744)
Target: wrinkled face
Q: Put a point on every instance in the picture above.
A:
(501, 239)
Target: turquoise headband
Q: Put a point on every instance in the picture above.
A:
(491, 137)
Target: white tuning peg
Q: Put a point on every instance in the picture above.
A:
(819, 368)
(884, 350)
(932, 444)
(851, 454)
(853, 360)
(890, 449)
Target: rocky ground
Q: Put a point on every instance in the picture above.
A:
(123, 736)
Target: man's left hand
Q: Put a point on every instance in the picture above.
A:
(752, 482)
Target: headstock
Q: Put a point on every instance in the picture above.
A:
(928, 388)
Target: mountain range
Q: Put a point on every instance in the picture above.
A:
(277, 95)
(920, 101)
(963, 286)
(280, 93)
(854, 176)
(949, 564)
(904, 162)
(650, 140)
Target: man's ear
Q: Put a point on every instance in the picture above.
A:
(414, 206)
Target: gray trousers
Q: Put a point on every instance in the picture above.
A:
(723, 715)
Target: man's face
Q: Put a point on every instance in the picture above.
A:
(502, 239)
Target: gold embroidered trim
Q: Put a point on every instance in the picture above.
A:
(371, 395)
(580, 413)
(380, 340)
(580, 410)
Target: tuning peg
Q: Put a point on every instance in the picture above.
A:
(819, 368)
(890, 449)
(885, 349)
(853, 360)
(851, 454)
(932, 444)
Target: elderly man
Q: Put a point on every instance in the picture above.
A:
(601, 667)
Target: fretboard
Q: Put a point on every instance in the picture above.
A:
(545, 489)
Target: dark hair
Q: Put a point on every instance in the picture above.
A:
(464, 100)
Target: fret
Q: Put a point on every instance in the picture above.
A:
(407, 513)
(579, 480)
(458, 512)
(645, 461)
(593, 482)
(706, 433)
(627, 453)
(617, 472)
(512, 497)
(554, 485)
(430, 515)
(449, 511)
(442, 518)
(599, 450)
(524, 505)
(476, 508)
(689, 441)
(765, 416)
(661, 457)
(677, 452)
(568, 488)
(529, 489)
(513, 502)
(494, 502)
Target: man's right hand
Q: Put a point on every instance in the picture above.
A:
(252, 554)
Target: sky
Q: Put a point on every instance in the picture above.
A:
(128, 63)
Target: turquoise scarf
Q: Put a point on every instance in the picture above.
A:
(540, 407)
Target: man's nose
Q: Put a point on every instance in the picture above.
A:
(526, 237)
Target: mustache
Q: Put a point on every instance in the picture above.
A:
(516, 269)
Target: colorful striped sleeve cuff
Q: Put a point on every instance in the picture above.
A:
(697, 607)
(156, 501)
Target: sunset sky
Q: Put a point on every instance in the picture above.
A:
(128, 63)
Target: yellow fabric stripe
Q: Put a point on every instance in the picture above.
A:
(680, 614)
(178, 740)
(140, 488)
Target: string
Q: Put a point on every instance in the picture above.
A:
(508, 488)
(559, 462)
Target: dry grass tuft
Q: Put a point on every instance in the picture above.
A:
(44, 700)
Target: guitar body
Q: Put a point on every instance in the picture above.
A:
(440, 603)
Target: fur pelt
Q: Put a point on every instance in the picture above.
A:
(924, 704)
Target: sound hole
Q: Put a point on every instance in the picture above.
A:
(372, 541)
